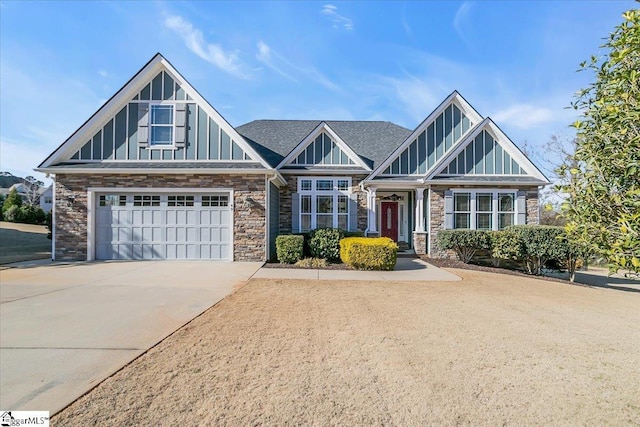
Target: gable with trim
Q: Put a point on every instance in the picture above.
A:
(442, 130)
(322, 148)
(486, 151)
(157, 115)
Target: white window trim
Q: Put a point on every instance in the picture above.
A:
(172, 145)
(335, 192)
(494, 205)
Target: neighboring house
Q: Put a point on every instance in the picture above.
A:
(157, 173)
(45, 200)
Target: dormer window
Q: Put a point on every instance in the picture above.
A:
(161, 124)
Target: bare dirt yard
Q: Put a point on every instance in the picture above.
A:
(23, 242)
(492, 349)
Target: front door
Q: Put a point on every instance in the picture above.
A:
(389, 220)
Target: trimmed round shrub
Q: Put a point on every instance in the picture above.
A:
(289, 248)
(465, 243)
(369, 253)
(325, 243)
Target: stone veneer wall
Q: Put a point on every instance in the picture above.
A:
(533, 212)
(437, 216)
(292, 187)
(248, 224)
(420, 242)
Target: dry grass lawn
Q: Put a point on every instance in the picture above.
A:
(23, 242)
(490, 350)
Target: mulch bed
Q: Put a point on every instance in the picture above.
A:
(329, 267)
(454, 263)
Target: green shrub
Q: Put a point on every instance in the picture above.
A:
(325, 243)
(313, 263)
(32, 215)
(465, 243)
(12, 214)
(353, 234)
(534, 245)
(289, 248)
(369, 253)
(13, 199)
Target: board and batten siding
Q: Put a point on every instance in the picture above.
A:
(125, 136)
(322, 151)
(432, 144)
(483, 156)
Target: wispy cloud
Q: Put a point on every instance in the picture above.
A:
(462, 19)
(339, 21)
(524, 116)
(266, 56)
(103, 73)
(288, 69)
(228, 62)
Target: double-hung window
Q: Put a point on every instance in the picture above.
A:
(323, 202)
(161, 125)
(484, 209)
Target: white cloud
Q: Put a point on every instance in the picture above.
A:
(286, 68)
(331, 12)
(461, 20)
(210, 52)
(524, 116)
(103, 73)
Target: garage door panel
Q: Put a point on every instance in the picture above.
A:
(164, 230)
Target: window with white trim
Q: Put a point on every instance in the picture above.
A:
(484, 209)
(161, 124)
(324, 202)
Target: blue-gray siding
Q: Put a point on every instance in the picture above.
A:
(118, 138)
(432, 144)
(483, 155)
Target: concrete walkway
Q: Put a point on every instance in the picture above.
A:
(407, 270)
(66, 327)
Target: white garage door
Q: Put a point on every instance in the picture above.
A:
(163, 226)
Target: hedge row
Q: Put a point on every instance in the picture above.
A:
(532, 245)
(367, 253)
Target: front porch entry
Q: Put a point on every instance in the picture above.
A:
(389, 220)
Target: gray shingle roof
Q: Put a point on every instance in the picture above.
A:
(372, 141)
(160, 165)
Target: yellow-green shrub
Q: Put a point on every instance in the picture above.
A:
(369, 253)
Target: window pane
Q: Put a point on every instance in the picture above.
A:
(161, 135)
(161, 114)
(484, 221)
(483, 202)
(342, 221)
(505, 220)
(305, 204)
(343, 204)
(305, 223)
(305, 185)
(462, 220)
(325, 221)
(324, 204)
(324, 185)
(461, 201)
(113, 200)
(506, 202)
(343, 185)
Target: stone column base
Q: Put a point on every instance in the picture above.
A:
(420, 242)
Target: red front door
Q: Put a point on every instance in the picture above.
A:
(389, 220)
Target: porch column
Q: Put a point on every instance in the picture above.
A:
(419, 218)
(371, 210)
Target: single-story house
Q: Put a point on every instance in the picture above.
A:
(158, 173)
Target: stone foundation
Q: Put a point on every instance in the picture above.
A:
(420, 242)
(71, 208)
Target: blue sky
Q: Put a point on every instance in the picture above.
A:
(513, 61)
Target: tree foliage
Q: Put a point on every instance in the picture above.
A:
(13, 199)
(603, 204)
(32, 190)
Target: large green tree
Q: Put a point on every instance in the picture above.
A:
(603, 188)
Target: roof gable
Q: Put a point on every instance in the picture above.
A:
(445, 127)
(322, 147)
(486, 151)
(114, 132)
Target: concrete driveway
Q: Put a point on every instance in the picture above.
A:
(64, 328)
